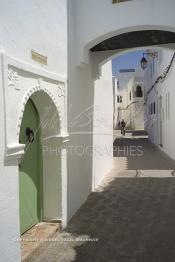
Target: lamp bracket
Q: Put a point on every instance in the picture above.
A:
(151, 54)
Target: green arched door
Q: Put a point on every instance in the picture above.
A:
(30, 171)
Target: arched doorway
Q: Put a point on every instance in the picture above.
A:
(30, 169)
(139, 92)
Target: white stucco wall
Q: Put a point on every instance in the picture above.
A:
(136, 115)
(80, 124)
(19, 82)
(38, 25)
(103, 124)
(26, 26)
(162, 89)
(9, 198)
(86, 91)
(132, 108)
(91, 26)
(9, 202)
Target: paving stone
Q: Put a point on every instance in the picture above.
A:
(132, 218)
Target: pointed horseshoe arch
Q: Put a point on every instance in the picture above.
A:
(50, 128)
(51, 99)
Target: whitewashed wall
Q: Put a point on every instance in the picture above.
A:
(91, 16)
(38, 25)
(132, 108)
(80, 123)
(162, 89)
(41, 26)
(9, 209)
(19, 82)
(136, 104)
(103, 124)
(136, 114)
(86, 91)
(151, 123)
(115, 110)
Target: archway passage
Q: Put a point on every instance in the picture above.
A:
(136, 39)
(30, 170)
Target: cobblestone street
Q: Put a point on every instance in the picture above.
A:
(131, 214)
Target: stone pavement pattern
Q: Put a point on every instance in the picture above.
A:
(132, 217)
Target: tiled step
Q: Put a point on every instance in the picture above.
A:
(142, 173)
(32, 240)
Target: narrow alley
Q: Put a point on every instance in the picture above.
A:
(130, 217)
(87, 152)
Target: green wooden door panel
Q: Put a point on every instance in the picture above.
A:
(30, 171)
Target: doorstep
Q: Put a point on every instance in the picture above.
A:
(32, 240)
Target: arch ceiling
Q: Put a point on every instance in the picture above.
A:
(136, 39)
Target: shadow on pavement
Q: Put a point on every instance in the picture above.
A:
(142, 154)
(133, 220)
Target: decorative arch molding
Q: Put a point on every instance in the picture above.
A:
(28, 95)
(20, 81)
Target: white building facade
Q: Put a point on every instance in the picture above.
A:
(33, 68)
(159, 110)
(129, 99)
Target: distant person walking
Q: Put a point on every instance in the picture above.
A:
(123, 125)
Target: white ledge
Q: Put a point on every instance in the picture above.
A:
(14, 152)
(60, 137)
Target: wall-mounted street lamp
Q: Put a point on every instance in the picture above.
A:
(144, 62)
